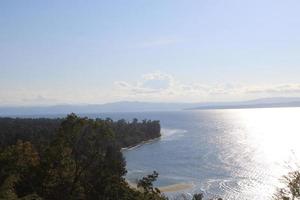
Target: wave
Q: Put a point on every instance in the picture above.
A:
(168, 134)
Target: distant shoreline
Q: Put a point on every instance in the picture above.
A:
(139, 106)
(258, 106)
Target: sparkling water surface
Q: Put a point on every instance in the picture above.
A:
(234, 154)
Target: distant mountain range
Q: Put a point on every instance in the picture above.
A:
(127, 106)
(257, 103)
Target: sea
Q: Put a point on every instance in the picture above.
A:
(231, 153)
(234, 154)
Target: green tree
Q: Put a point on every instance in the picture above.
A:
(81, 162)
(292, 189)
(18, 164)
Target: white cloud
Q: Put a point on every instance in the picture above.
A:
(156, 86)
(276, 89)
(157, 76)
(26, 97)
(39, 99)
(53, 96)
(167, 41)
(122, 84)
(160, 86)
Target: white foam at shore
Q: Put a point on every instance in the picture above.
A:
(172, 134)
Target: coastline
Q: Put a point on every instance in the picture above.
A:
(168, 188)
(165, 189)
(176, 187)
(140, 144)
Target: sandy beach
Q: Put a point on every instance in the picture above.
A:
(139, 144)
(169, 188)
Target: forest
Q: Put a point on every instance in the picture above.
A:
(71, 158)
(42, 130)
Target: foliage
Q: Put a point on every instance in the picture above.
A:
(292, 189)
(146, 183)
(132, 133)
(80, 159)
(37, 131)
(198, 196)
(41, 131)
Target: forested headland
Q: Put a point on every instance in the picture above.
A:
(71, 158)
(42, 130)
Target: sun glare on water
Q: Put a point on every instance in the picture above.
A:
(275, 132)
(270, 138)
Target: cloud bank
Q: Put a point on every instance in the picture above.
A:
(160, 86)
(155, 87)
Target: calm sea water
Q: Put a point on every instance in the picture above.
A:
(234, 154)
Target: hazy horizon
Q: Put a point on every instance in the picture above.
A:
(265, 100)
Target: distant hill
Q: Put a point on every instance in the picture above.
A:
(123, 106)
(127, 106)
(257, 103)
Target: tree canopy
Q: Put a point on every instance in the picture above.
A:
(78, 159)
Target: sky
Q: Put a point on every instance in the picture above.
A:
(96, 51)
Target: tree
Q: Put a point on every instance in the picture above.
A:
(198, 196)
(292, 189)
(148, 191)
(146, 183)
(81, 161)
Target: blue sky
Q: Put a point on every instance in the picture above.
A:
(54, 52)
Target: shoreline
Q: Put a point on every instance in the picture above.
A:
(140, 144)
(164, 189)
(168, 188)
